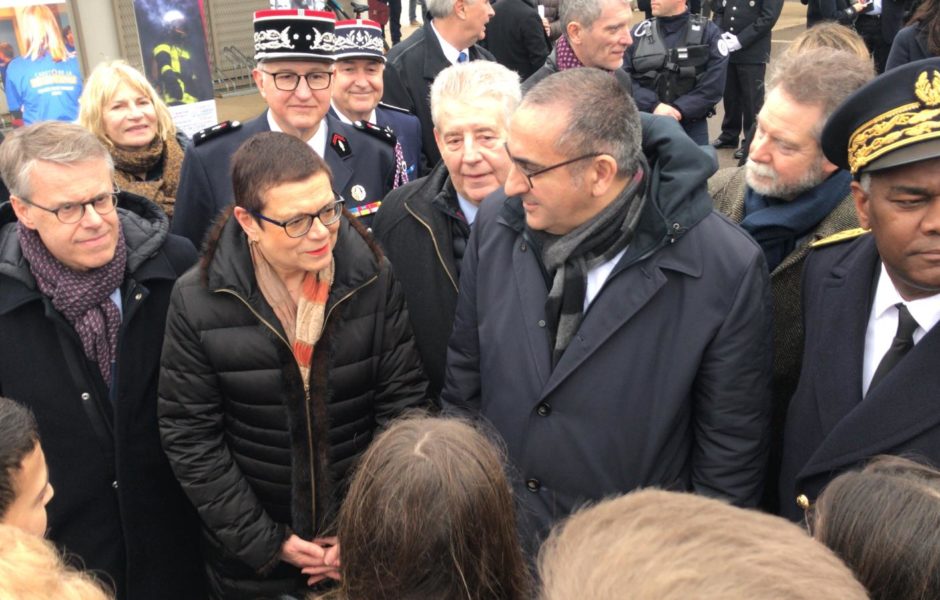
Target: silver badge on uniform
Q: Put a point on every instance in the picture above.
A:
(358, 193)
(751, 3)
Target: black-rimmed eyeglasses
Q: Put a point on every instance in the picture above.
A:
(73, 212)
(301, 224)
(287, 81)
(530, 174)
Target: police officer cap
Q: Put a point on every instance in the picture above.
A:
(295, 34)
(359, 38)
(892, 120)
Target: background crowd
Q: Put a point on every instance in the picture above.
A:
(485, 320)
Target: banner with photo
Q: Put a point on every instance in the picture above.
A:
(176, 59)
(39, 70)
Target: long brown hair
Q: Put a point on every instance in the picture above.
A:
(429, 515)
(884, 521)
(927, 16)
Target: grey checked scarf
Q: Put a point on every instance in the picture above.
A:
(83, 297)
(569, 257)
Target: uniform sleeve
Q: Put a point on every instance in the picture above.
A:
(836, 10)
(190, 412)
(195, 200)
(401, 383)
(709, 89)
(763, 24)
(731, 409)
(461, 393)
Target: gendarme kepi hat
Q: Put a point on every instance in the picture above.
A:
(359, 38)
(892, 120)
(295, 34)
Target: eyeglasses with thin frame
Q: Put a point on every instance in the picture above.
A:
(301, 224)
(809, 519)
(73, 212)
(287, 81)
(530, 174)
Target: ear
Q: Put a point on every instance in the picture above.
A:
(438, 140)
(22, 211)
(460, 9)
(574, 31)
(603, 173)
(258, 77)
(862, 198)
(248, 223)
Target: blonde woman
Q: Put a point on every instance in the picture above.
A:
(122, 108)
(44, 84)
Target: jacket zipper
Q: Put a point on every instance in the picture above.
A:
(434, 241)
(306, 384)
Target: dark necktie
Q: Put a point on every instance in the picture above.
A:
(901, 345)
(462, 57)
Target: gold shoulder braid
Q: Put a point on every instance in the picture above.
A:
(899, 127)
(840, 236)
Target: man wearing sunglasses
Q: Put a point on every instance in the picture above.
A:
(85, 278)
(295, 53)
(610, 325)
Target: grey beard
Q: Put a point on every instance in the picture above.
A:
(777, 189)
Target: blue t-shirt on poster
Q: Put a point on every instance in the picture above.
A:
(43, 89)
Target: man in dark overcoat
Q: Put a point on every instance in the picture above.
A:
(871, 298)
(612, 328)
(84, 291)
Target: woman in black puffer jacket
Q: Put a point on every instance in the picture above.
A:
(260, 449)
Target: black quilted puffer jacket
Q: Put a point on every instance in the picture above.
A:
(258, 455)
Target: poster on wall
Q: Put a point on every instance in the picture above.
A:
(39, 70)
(176, 60)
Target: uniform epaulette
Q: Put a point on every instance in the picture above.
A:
(837, 238)
(382, 133)
(215, 131)
(398, 108)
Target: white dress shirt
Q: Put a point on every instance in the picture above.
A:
(597, 277)
(883, 323)
(346, 120)
(468, 208)
(450, 53)
(317, 142)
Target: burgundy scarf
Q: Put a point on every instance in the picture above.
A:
(564, 55)
(83, 297)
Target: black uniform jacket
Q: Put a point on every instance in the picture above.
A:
(117, 510)
(830, 427)
(362, 167)
(752, 22)
(411, 69)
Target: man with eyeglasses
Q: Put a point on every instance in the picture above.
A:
(295, 53)
(610, 325)
(86, 273)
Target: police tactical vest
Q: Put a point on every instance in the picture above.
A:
(670, 72)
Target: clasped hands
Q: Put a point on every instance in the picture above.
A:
(318, 559)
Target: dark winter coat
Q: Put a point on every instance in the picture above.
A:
(418, 238)
(516, 37)
(118, 510)
(666, 382)
(909, 45)
(411, 69)
(830, 427)
(257, 455)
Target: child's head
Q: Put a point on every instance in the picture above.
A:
(24, 478)
(429, 514)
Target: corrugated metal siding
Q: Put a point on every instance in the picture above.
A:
(127, 32)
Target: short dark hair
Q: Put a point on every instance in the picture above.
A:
(884, 522)
(601, 115)
(429, 514)
(19, 435)
(267, 160)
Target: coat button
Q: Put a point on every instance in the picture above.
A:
(138, 296)
(544, 409)
(802, 501)
(522, 247)
(541, 322)
(114, 484)
(533, 485)
(732, 18)
(86, 396)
